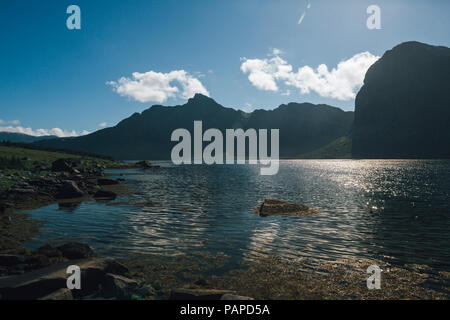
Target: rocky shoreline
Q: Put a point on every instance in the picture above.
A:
(42, 273)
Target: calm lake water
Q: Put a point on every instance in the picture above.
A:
(386, 209)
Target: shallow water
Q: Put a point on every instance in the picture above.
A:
(378, 209)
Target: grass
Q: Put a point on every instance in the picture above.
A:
(340, 148)
(18, 161)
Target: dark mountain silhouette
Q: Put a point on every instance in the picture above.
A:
(403, 109)
(303, 128)
(21, 138)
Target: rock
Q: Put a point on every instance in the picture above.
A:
(229, 296)
(69, 190)
(36, 262)
(60, 294)
(105, 194)
(114, 267)
(117, 286)
(32, 290)
(53, 254)
(201, 282)
(8, 260)
(272, 207)
(144, 164)
(92, 279)
(197, 294)
(75, 250)
(69, 205)
(61, 165)
(145, 291)
(5, 207)
(19, 194)
(107, 182)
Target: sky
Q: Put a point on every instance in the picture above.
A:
(245, 54)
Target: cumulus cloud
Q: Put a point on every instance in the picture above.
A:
(158, 87)
(102, 125)
(341, 82)
(42, 132)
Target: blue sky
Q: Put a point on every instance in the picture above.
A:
(52, 77)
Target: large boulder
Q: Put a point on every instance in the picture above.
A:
(272, 207)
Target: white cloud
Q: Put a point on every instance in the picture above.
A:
(340, 83)
(42, 132)
(158, 87)
(276, 52)
(103, 124)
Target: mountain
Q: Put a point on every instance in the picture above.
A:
(21, 138)
(303, 128)
(403, 109)
(340, 148)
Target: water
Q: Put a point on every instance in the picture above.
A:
(381, 209)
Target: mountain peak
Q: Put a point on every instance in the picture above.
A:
(201, 98)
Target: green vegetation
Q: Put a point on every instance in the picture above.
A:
(21, 161)
(340, 148)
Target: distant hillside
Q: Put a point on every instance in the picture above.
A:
(22, 138)
(340, 148)
(303, 128)
(403, 109)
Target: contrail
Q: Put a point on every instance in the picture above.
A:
(304, 14)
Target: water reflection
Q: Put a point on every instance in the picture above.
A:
(372, 209)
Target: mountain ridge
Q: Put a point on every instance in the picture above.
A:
(146, 135)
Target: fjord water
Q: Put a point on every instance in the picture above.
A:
(378, 209)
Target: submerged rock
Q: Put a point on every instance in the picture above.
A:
(271, 207)
(75, 250)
